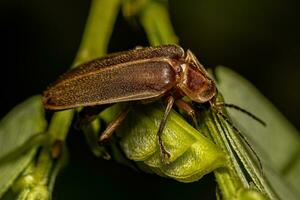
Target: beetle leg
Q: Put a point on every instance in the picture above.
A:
(84, 122)
(90, 133)
(114, 124)
(188, 109)
(170, 101)
(89, 114)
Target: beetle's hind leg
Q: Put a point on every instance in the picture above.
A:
(170, 102)
(84, 121)
(113, 125)
(89, 114)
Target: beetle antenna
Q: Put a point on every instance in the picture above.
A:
(243, 111)
(241, 135)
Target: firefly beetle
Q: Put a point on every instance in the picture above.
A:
(142, 74)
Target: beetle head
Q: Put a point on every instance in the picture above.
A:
(195, 82)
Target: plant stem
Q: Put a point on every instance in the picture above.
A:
(94, 44)
(43, 168)
(157, 24)
(99, 26)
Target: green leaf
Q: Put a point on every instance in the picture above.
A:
(20, 124)
(243, 172)
(278, 144)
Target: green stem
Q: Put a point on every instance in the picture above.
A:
(99, 26)
(60, 124)
(157, 24)
(94, 43)
(43, 167)
(59, 164)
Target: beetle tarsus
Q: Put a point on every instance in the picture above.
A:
(170, 102)
(165, 155)
(164, 152)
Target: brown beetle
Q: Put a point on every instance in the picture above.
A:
(141, 74)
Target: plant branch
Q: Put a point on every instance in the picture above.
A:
(157, 24)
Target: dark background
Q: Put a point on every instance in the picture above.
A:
(257, 38)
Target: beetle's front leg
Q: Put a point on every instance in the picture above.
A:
(170, 102)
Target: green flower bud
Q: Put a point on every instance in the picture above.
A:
(192, 154)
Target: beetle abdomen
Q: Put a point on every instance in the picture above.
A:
(129, 81)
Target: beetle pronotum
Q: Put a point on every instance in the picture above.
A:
(141, 74)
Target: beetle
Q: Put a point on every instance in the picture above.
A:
(143, 74)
